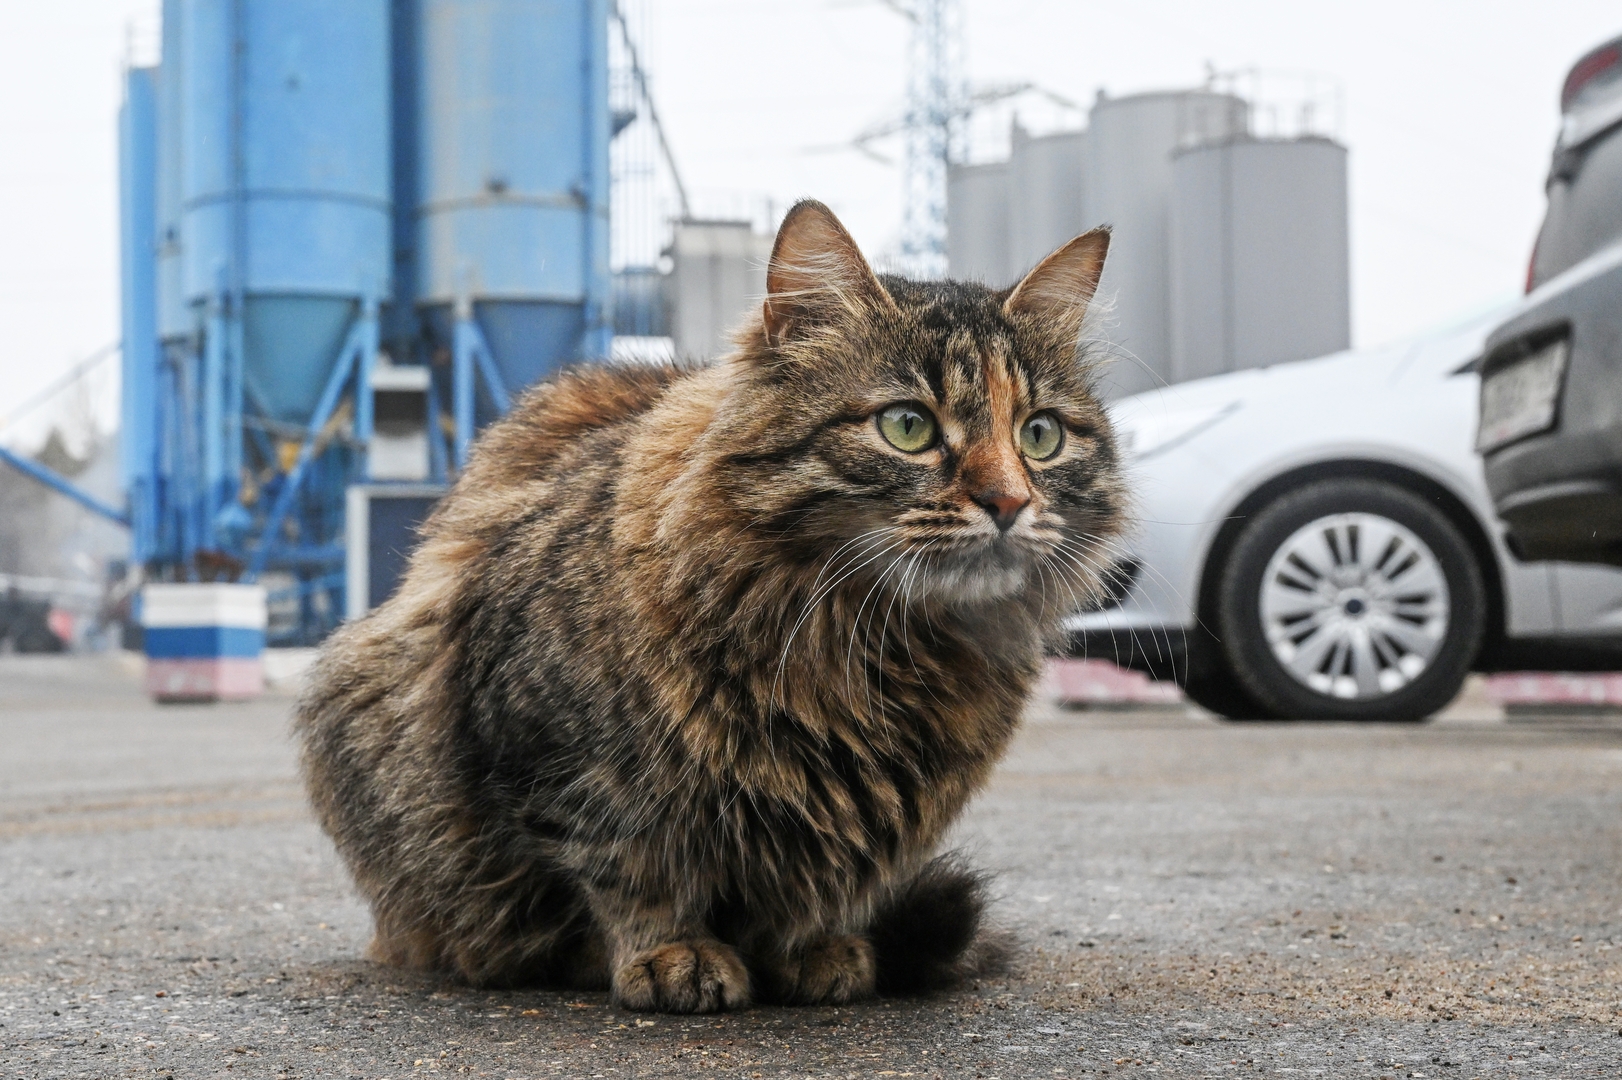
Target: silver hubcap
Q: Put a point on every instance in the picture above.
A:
(1354, 606)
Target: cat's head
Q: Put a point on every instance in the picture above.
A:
(943, 435)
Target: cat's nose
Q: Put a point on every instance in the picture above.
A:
(1002, 507)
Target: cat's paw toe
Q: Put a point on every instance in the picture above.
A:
(683, 977)
(833, 971)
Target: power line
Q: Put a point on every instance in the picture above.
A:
(72, 375)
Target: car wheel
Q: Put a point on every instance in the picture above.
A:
(1350, 599)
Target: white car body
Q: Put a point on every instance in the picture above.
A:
(1197, 451)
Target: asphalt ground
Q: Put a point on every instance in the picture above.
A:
(1193, 899)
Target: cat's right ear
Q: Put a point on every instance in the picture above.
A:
(1061, 287)
(816, 270)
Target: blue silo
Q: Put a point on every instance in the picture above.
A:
(138, 180)
(511, 175)
(168, 534)
(285, 154)
(286, 178)
(174, 316)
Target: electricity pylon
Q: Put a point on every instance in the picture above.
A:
(937, 110)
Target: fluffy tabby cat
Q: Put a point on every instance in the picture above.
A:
(695, 665)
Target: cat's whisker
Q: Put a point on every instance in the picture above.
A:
(1085, 565)
(1170, 653)
(856, 624)
(1159, 633)
(812, 604)
(887, 546)
(1079, 573)
(1043, 565)
(884, 631)
(923, 560)
(870, 553)
(1048, 560)
(1096, 570)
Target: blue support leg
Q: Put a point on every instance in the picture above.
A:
(437, 470)
(211, 491)
(463, 347)
(59, 483)
(232, 375)
(367, 331)
(493, 383)
(188, 458)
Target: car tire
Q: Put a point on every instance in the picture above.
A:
(1216, 690)
(1350, 599)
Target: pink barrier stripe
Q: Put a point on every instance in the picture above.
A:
(1555, 688)
(222, 679)
(1101, 682)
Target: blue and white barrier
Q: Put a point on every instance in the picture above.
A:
(204, 642)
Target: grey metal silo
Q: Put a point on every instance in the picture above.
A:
(1259, 254)
(1128, 181)
(718, 278)
(1046, 205)
(977, 237)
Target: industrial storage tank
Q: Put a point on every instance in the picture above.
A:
(285, 154)
(174, 317)
(1004, 217)
(1259, 253)
(511, 172)
(977, 223)
(1047, 204)
(137, 214)
(1128, 183)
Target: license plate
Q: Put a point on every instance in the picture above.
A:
(1520, 400)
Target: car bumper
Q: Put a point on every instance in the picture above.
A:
(1560, 492)
(1571, 520)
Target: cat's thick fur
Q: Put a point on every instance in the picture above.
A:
(692, 670)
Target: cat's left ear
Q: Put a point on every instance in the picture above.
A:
(816, 270)
(1062, 285)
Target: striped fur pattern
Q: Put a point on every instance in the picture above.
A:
(693, 669)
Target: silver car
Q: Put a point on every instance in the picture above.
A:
(1315, 540)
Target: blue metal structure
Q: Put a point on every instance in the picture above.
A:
(138, 223)
(174, 318)
(56, 482)
(310, 188)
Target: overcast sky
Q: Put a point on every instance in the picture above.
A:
(1449, 114)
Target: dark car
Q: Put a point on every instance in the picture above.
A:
(25, 623)
(1551, 376)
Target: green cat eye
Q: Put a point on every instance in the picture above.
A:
(907, 426)
(1041, 436)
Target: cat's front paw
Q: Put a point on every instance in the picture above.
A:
(831, 971)
(683, 977)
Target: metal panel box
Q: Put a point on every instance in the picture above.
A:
(381, 525)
